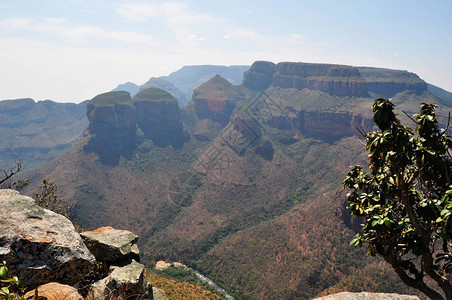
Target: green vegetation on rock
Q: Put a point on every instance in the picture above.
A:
(112, 98)
(154, 95)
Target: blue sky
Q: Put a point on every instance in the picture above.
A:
(72, 50)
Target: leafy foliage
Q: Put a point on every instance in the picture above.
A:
(10, 286)
(405, 200)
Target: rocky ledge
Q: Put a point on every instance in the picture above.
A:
(45, 252)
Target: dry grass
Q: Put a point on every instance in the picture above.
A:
(174, 289)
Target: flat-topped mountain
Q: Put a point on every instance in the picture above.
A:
(159, 117)
(339, 80)
(112, 125)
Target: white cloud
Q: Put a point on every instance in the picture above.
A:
(74, 34)
(138, 12)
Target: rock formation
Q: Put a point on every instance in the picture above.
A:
(108, 244)
(259, 76)
(112, 124)
(159, 117)
(54, 291)
(330, 126)
(337, 80)
(386, 83)
(119, 251)
(44, 251)
(39, 245)
(215, 100)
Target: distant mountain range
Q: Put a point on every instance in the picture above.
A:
(181, 83)
(244, 182)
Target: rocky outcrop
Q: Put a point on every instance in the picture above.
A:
(118, 250)
(259, 76)
(215, 100)
(38, 245)
(112, 124)
(367, 296)
(337, 80)
(109, 244)
(159, 117)
(387, 83)
(54, 291)
(330, 126)
(124, 281)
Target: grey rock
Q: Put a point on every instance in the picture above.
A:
(38, 245)
(109, 244)
(125, 281)
(367, 296)
(159, 294)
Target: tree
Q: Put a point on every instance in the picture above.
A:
(6, 176)
(405, 200)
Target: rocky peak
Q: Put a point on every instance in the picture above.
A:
(259, 76)
(159, 117)
(112, 124)
(215, 100)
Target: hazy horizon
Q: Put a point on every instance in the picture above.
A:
(73, 50)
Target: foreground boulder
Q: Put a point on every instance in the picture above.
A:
(124, 281)
(54, 291)
(110, 245)
(367, 296)
(38, 245)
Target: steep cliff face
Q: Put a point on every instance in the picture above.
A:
(215, 100)
(159, 117)
(332, 79)
(112, 124)
(259, 76)
(387, 83)
(330, 125)
(336, 80)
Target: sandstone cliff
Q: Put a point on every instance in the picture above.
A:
(387, 83)
(215, 100)
(337, 80)
(112, 124)
(159, 117)
(330, 126)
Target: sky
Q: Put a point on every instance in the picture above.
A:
(72, 50)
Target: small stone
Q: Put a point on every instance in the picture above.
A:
(54, 291)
